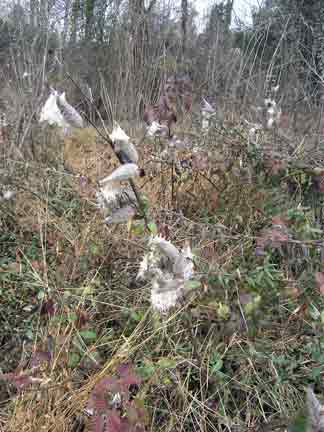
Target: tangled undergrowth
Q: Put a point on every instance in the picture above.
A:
(82, 349)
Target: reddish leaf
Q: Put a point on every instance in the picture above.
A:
(278, 220)
(259, 251)
(107, 383)
(97, 398)
(83, 180)
(37, 265)
(51, 239)
(98, 423)
(18, 255)
(127, 376)
(126, 371)
(164, 231)
(82, 318)
(20, 381)
(276, 235)
(319, 278)
(48, 307)
(284, 121)
(298, 312)
(99, 403)
(90, 406)
(274, 166)
(318, 182)
(114, 423)
(35, 227)
(126, 426)
(99, 393)
(271, 235)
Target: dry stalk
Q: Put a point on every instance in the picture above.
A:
(107, 139)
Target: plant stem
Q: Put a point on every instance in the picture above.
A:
(109, 141)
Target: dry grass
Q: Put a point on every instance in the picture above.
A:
(228, 367)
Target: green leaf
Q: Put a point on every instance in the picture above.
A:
(59, 318)
(146, 371)
(95, 249)
(88, 290)
(138, 229)
(250, 282)
(315, 230)
(72, 317)
(135, 316)
(153, 228)
(216, 367)
(146, 202)
(223, 311)
(29, 333)
(316, 372)
(88, 335)
(74, 360)
(299, 424)
(314, 312)
(221, 280)
(192, 284)
(166, 363)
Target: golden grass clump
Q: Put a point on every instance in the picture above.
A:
(87, 154)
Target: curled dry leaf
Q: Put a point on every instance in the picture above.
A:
(82, 318)
(48, 307)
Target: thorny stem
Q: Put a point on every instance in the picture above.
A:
(109, 141)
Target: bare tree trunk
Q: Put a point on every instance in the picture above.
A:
(139, 30)
(89, 19)
(140, 40)
(43, 15)
(33, 13)
(66, 22)
(137, 11)
(228, 14)
(76, 6)
(184, 25)
(101, 21)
